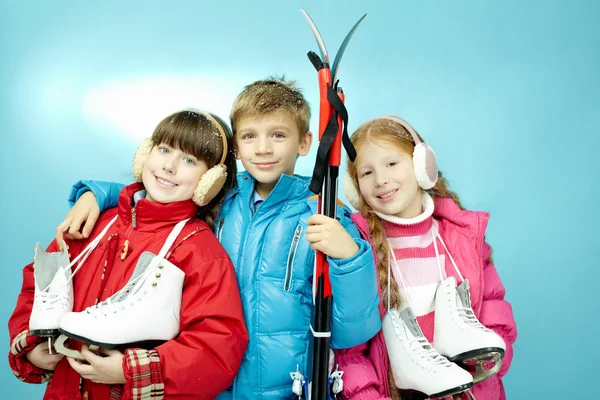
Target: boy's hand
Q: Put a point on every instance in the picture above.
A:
(107, 370)
(86, 211)
(41, 357)
(329, 236)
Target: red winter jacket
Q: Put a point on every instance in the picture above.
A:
(202, 361)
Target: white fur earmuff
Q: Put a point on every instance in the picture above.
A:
(139, 158)
(351, 191)
(210, 185)
(425, 166)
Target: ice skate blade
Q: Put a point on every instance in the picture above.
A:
(486, 352)
(145, 344)
(44, 332)
(478, 364)
(59, 346)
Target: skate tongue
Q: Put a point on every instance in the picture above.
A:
(47, 266)
(410, 321)
(59, 282)
(464, 296)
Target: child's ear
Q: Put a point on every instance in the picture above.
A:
(235, 151)
(305, 144)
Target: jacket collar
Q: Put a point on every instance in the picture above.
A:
(289, 187)
(150, 215)
(444, 208)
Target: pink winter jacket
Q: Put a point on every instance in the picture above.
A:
(366, 366)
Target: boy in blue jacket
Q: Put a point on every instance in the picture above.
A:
(269, 226)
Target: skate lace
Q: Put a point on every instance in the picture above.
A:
(124, 298)
(469, 318)
(435, 234)
(87, 251)
(130, 293)
(48, 301)
(425, 351)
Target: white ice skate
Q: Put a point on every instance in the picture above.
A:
(415, 363)
(145, 312)
(53, 294)
(458, 334)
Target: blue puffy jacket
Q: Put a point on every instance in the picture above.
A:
(274, 267)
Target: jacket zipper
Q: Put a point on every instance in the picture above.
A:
(133, 217)
(290, 261)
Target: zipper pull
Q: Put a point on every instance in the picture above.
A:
(133, 220)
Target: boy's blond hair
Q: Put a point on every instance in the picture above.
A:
(269, 95)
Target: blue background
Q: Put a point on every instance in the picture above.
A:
(506, 92)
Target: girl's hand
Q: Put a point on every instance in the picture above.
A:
(107, 370)
(41, 357)
(329, 236)
(86, 211)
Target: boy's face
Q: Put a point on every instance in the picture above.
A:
(170, 175)
(268, 145)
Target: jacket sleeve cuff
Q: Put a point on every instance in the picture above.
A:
(107, 193)
(143, 372)
(24, 370)
(351, 264)
(77, 190)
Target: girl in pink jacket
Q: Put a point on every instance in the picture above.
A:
(443, 304)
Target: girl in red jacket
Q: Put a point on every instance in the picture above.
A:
(443, 304)
(185, 164)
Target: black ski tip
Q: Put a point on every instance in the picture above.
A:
(315, 60)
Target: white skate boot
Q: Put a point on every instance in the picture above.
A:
(145, 312)
(460, 336)
(415, 364)
(53, 295)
